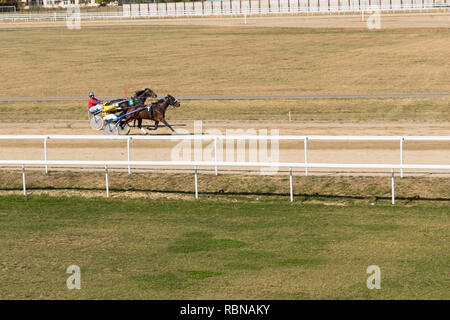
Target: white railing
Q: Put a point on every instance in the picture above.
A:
(243, 7)
(216, 138)
(196, 164)
(7, 9)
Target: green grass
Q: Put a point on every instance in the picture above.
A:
(174, 249)
(191, 242)
(201, 274)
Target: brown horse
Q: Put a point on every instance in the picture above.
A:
(139, 98)
(156, 112)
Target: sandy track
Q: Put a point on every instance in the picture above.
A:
(285, 127)
(331, 152)
(388, 21)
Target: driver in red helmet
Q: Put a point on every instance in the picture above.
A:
(94, 104)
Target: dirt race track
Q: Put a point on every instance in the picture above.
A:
(415, 152)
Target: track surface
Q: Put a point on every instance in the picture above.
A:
(251, 97)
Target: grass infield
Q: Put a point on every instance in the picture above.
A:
(181, 249)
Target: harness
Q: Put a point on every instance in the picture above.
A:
(150, 107)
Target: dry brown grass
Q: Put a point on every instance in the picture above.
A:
(199, 60)
(348, 110)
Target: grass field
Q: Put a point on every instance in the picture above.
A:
(348, 110)
(190, 60)
(167, 249)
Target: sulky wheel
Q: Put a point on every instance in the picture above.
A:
(123, 129)
(97, 123)
(110, 129)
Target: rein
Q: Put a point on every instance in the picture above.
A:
(134, 111)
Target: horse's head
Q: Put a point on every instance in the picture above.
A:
(172, 101)
(149, 93)
(146, 93)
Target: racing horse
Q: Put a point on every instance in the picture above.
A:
(156, 112)
(139, 97)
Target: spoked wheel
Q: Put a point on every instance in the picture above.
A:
(123, 128)
(111, 128)
(97, 123)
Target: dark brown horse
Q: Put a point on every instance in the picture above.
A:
(156, 112)
(139, 98)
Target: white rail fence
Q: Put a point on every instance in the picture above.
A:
(195, 164)
(216, 138)
(241, 7)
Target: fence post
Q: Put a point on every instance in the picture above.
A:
(215, 153)
(196, 182)
(24, 181)
(291, 189)
(401, 156)
(306, 155)
(392, 186)
(128, 154)
(106, 181)
(45, 154)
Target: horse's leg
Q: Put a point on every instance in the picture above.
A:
(167, 124)
(156, 125)
(140, 126)
(126, 120)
